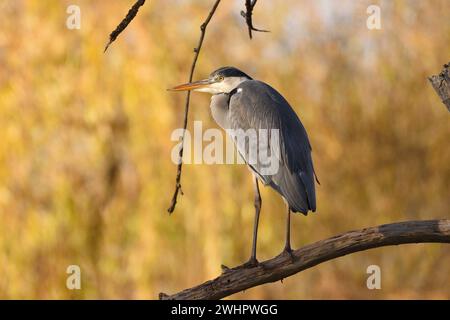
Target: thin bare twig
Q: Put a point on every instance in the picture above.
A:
(283, 266)
(441, 83)
(248, 16)
(186, 110)
(125, 22)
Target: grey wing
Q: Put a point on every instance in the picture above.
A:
(256, 106)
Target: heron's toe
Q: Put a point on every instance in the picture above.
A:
(251, 263)
(288, 252)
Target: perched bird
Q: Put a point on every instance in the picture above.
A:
(241, 103)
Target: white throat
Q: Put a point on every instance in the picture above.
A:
(225, 86)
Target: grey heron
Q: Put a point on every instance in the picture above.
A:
(240, 102)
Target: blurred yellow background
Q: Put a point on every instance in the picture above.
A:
(85, 171)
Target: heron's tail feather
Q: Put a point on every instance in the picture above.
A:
(298, 190)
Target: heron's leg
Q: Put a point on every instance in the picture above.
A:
(253, 261)
(287, 246)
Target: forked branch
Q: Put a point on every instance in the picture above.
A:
(283, 266)
(248, 16)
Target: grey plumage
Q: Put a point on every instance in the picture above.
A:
(256, 105)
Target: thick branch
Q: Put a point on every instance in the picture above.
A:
(282, 266)
(186, 108)
(441, 83)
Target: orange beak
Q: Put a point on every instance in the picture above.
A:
(192, 85)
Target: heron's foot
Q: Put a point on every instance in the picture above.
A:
(287, 251)
(251, 263)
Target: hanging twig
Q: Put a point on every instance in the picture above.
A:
(125, 22)
(249, 6)
(186, 110)
(283, 266)
(441, 83)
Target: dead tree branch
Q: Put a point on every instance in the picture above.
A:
(282, 266)
(125, 22)
(186, 108)
(248, 16)
(441, 83)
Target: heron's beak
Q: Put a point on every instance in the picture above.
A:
(193, 85)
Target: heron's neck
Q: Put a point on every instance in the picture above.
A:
(225, 86)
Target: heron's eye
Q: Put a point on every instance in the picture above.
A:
(220, 78)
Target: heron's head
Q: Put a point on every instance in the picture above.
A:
(223, 80)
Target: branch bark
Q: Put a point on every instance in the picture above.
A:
(186, 108)
(441, 83)
(282, 266)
